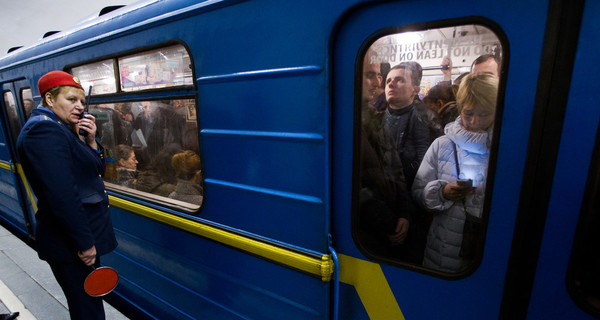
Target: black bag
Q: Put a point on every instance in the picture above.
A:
(471, 232)
(472, 228)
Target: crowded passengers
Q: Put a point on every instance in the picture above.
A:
(424, 162)
(153, 148)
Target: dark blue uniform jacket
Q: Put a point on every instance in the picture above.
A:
(66, 177)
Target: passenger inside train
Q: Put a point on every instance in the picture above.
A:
(126, 166)
(187, 167)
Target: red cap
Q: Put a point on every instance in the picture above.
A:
(57, 78)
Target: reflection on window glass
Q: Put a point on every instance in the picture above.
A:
(151, 147)
(13, 117)
(160, 68)
(28, 104)
(427, 105)
(99, 75)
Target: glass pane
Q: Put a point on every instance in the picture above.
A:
(154, 69)
(13, 117)
(28, 103)
(420, 199)
(100, 75)
(151, 147)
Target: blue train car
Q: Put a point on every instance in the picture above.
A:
(266, 98)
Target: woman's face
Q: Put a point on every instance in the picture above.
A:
(68, 104)
(476, 118)
(129, 163)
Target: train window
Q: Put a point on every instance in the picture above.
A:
(100, 75)
(28, 104)
(583, 276)
(152, 151)
(160, 68)
(151, 146)
(13, 116)
(427, 104)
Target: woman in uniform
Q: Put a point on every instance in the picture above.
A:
(65, 170)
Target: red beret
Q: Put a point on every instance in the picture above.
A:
(57, 78)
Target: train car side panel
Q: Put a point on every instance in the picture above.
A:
(550, 297)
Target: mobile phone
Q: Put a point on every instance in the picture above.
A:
(464, 182)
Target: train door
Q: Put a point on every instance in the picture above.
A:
(567, 270)
(17, 203)
(378, 281)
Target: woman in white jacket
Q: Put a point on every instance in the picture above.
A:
(436, 188)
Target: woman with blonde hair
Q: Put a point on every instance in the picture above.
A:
(451, 179)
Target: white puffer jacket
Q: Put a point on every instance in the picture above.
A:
(438, 169)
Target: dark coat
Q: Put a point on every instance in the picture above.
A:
(406, 133)
(66, 177)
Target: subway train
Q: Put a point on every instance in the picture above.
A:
(266, 96)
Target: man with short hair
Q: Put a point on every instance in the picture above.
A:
(486, 63)
(404, 124)
(371, 79)
(405, 137)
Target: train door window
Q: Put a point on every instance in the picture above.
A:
(583, 276)
(13, 116)
(426, 101)
(165, 67)
(27, 100)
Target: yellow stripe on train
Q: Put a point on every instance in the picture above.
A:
(372, 287)
(319, 266)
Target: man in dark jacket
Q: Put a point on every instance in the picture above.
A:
(405, 136)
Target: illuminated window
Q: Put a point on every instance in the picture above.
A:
(154, 69)
(28, 104)
(99, 75)
(407, 96)
(13, 117)
(165, 67)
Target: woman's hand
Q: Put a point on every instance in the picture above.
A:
(452, 191)
(88, 124)
(88, 256)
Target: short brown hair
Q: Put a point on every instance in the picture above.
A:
(186, 164)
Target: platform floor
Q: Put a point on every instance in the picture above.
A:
(28, 286)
